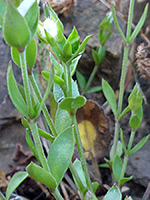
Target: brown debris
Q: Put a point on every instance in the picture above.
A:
(143, 61)
(62, 6)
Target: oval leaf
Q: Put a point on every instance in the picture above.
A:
(41, 175)
(15, 29)
(14, 93)
(113, 194)
(16, 180)
(78, 102)
(31, 52)
(117, 167)
(60, 153)
(110, 96)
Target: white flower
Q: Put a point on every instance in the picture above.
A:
(51, 27)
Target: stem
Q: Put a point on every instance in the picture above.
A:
(38, 145)
(122, 80)
(57, 194)
(81, 153)
(67, 74)
(116, 137)
(91, 77)
(44, 109)
(25, 79)
(129, 24)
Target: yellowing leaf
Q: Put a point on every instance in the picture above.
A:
(94, 130)
(88, 136)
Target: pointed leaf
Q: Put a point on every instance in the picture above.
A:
(57, 66)
(110, 96)
(118, 151)
(67, 51)
(95, 186)
(15, 181)
(113, 194)
(117, 24)
(14, 93)
(15, 29)
(139, 25)
(74, 64)
(122, 141)
(136, 118)
(60, 153)
(139, 145)
(117, 167)
(125, 179)
(46, 135)
(96, 57)
(41, 175)
(58, 93)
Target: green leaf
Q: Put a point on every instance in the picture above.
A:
(117, 167)
(110, 96)
(117, 24)
(75, 90)
(2, 12)
(67, 51)
(125, 179)
(15, 29)
(71, 103)
(14, 93)
(74, 64)
(77, 165)
(31, 53)
(81, 47)
(113, 194)
(41, 175)
(74, 40)
(139, 25)
(95, 186)
(94, 89)
(135, 99)
(57, 80)
(136, 118)
(62, 120)
(81, 80)
(15, 181)
(60, 153)
(58, 93)
(46, 135)
(25, 6)
(139, 145)
(96, 57)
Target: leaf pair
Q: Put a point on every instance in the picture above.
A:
(71, 104)
(137, 29)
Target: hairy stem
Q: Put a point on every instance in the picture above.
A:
(25, 79)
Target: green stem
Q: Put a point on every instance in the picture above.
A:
(122, 80)
(57, 194)
(25, 79)
(44, 109)
(2, 196)
(81, 153)
(130, 16)
(38, 145)
(91, 77)
(125, 111)
(67, 74)
(116, 137)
